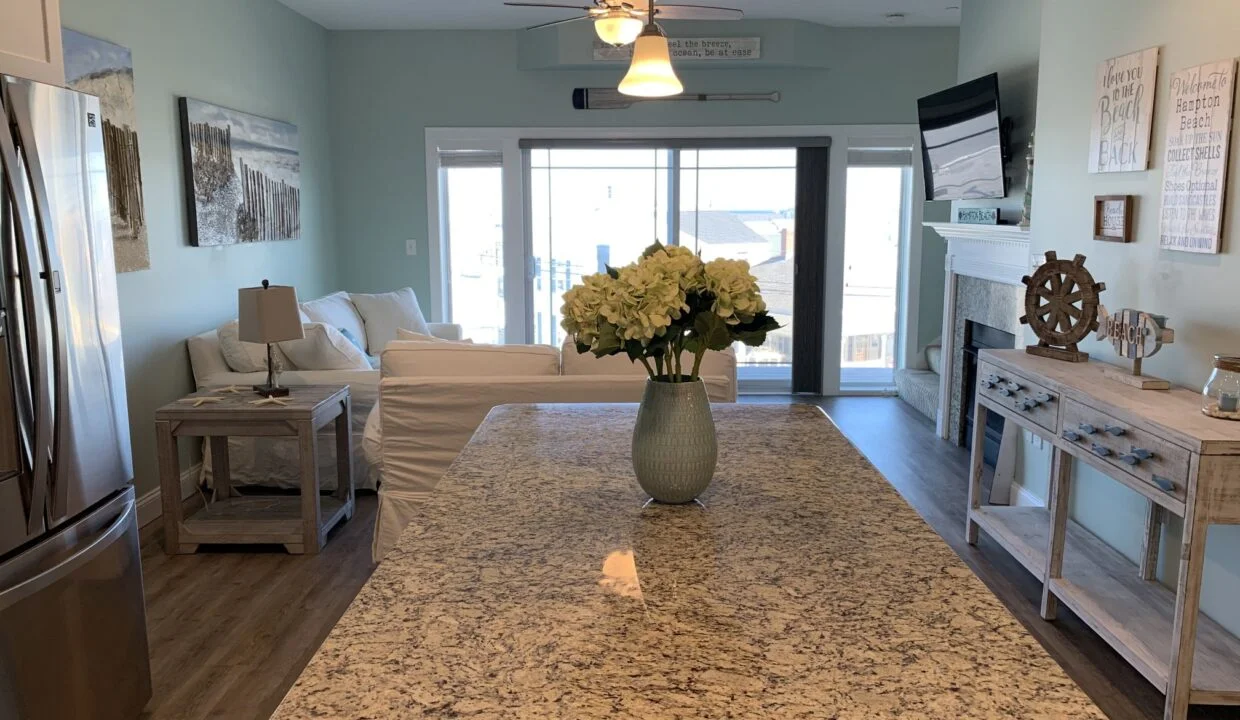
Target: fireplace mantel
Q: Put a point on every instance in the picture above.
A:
(990, 252)
(998, 253)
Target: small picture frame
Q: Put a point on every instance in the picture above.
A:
(1113, 218)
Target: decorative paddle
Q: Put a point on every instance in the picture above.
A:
(609, 99)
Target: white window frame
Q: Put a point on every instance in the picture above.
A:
(516, 239)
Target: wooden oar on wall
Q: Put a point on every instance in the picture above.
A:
(609, 99)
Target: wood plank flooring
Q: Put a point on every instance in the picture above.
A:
(232, 629)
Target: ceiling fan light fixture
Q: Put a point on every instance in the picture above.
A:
(651, 73)
(617, 27)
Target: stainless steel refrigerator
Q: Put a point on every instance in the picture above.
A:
(73, 640)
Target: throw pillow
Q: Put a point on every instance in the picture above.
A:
(245, 357)
(373, 360)
(337, 311)
(324, 348)
(386, 313)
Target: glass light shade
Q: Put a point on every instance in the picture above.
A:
(618, 28)
(651, 73)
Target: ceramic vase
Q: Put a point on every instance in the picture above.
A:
(674, 450)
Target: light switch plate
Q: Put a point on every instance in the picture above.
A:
(411, 246)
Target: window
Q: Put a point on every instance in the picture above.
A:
(828, 237)
(875, 229)
(472, 202)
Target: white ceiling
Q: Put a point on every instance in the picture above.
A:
(493, 15)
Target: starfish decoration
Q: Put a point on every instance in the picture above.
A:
(231, 389)
(282, 402)
(199, 401)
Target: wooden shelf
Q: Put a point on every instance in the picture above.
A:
(1105, 590)
(1022, 531)
(256, 519)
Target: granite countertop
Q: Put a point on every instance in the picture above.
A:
(533, 584)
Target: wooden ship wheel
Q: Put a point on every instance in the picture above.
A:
(1061, 306)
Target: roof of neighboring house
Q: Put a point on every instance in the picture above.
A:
(718, 227)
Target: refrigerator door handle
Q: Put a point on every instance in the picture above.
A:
(39, 578)
(50, 291)
(34, 308)
(19, 355)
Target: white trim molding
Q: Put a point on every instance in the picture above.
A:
(999, 253)
(150, 505)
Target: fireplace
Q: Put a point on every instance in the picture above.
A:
(979, 336)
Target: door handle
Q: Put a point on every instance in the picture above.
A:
(1071, 435)
(1100, 450)
(50, 290)
(1086, 428)
(1164, 484)
(40, 370)
(41, 579)
(1115, 430)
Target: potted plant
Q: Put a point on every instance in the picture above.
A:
(666, 311)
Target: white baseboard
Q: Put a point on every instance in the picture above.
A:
(150, 505)
(1023, 498)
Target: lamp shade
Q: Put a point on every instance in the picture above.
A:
(617, 27)
(268, 314)
(651, 73)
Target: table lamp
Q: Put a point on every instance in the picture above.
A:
(268, 314)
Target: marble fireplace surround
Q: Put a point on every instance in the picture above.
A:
(985, 264)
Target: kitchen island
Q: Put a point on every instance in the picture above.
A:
(534, 584)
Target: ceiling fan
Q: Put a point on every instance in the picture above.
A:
(619, 22)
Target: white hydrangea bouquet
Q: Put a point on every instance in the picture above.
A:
(667, 303)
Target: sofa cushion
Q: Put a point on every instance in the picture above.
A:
(714, 364)
(324, 348)
(404, 358)
(403, 334)
(575, 363)
(386, 313)
(247, 357)
(337, 311)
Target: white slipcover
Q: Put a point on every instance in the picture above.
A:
(425, 422)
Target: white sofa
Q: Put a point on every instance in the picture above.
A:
(433, 396)
(272, 462)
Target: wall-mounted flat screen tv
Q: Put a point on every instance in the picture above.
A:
(963, 141)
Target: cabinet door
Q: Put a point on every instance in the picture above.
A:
(30, 40)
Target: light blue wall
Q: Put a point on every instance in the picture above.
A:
(1196, 291)
(387, 87)
(252, 55)
(1002, 36)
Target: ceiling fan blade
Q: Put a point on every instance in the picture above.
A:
(695, 12)
(550, 5)
(558, 22)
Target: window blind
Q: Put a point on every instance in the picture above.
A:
(470, 158)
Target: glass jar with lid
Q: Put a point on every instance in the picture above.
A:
(1221, 395)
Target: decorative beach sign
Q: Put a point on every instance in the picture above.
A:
(1135, 335)
(1119, 139)
(242, 176)
(1195, 167)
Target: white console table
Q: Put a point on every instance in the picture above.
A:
(1160, 445)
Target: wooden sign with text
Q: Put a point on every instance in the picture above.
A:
(1195, 169)
(1119, 140)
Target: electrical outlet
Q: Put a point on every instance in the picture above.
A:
(411, 246)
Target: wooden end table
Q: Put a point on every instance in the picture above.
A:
(300, 523)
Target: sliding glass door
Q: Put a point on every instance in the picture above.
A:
(741, 204)
(827, 234)
(589, 209)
